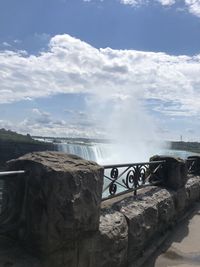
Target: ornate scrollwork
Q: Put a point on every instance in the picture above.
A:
(114, 173)
(130, 180)
(135, 177)
(143, 173)
(130, 176)
(112, 188)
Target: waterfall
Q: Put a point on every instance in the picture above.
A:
(104, 153)
(92, 151)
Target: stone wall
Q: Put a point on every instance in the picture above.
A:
(62, 204)
(65, 223)
(146, 219)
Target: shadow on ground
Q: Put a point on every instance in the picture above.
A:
(182, 247)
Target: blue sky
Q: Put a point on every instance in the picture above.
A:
(79, 68)
(149, 27)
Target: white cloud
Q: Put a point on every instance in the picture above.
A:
(73, 66)
(167, 2)
(116, 82)
(132, 2)
(193, 7)
(135, 3)
(17, 41)
(44, 124)
(6, 44)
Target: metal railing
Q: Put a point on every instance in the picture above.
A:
(10, 173)
(122, 178)
(118, 179)
(193, 165)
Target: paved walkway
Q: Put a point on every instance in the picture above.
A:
(182, 249)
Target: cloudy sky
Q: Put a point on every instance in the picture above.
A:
(86, 67)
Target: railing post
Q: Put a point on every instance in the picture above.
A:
(193, 163)
(62, 205)
(173, 173)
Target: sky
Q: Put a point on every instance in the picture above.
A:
(82, 68)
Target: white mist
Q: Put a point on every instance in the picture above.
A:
(126, 122)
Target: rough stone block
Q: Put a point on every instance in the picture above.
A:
(63, 198)
(65, 257)
(193, 189)
(174, 172)
(166, 209)
(142, 220)
(108, 247)
(180, 200)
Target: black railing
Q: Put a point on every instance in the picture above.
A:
(123, 178)
(10, 173)
(193, 165)
(118, 179)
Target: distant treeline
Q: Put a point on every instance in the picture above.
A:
(7, 135)
(14, 145)
(74, 139)
(187, 146)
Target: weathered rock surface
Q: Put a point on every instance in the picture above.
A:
(193, 189)
(12, 255)
(174, 172)
(166, 209)
(146, 217)
(108, 247)
(62, 218)
(180, 200)
(154, 212)
(142, 221)
(63, 199)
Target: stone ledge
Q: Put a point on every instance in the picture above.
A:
(63, 196)
(65, 223)
(150, 217)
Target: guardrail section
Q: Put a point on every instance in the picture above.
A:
(122, 178)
